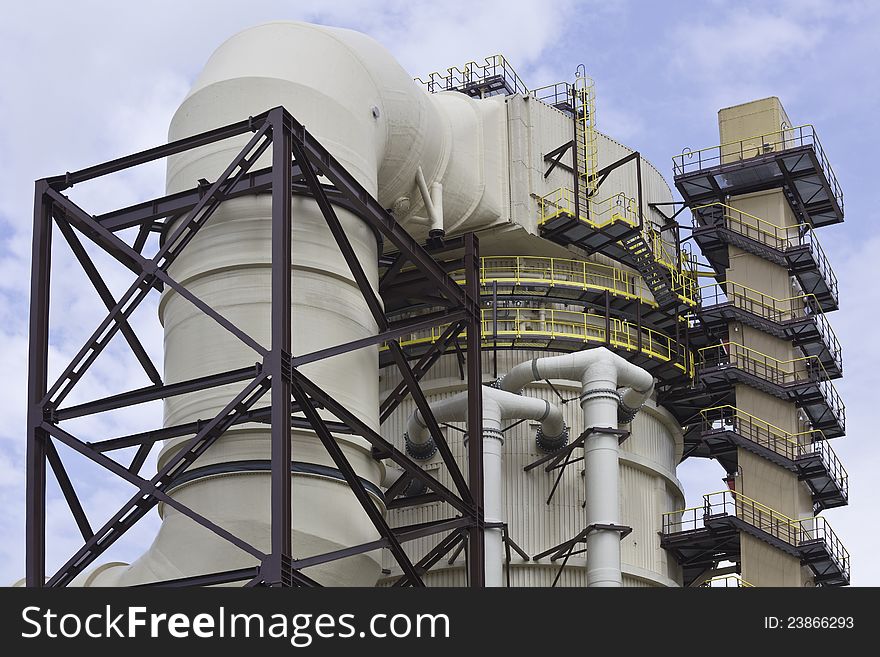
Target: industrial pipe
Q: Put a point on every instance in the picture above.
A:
(601, 373)
(433, 200)
(498, 405)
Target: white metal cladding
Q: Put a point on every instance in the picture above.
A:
(536, 129)
(648, 485)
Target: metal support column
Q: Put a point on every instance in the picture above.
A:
(38, 438)
(476, 554)
(279, 357)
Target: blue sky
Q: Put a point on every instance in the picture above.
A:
(87, 81)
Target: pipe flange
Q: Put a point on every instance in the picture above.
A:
(601, 393)
(625, 414)
(497, 434)
(493, 433)
(551, 443)
(497, 383)
(420, 451)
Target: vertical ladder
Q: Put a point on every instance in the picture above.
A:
(585, 140)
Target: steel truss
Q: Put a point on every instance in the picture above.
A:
(298, 161)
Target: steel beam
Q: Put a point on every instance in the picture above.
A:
(152, 393)
(476, 545)
(356, 485)
(279, 359)
(144, 500)
(107, 298)
(38, 357)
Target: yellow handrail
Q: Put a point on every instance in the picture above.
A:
(778, 237)
(730, 411)
(519, 324)
(795, 532)
(762, 226)
(550, 271)
(777, 310)
(808, 362)
(615, 208)
(792, 445)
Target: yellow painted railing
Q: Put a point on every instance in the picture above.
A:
(779, 372)
(534, 326)
(769, 307)
(791, 445)
(682, 266)
(779, 140)
(616, 208)
(562, 272)
(726, 581)
(795, 532)
(619, 208)
(774, 370)
(780, 238)
(473, 73)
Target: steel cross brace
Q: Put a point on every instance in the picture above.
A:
(277, 370)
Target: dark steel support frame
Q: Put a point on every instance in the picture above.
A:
(298, 160)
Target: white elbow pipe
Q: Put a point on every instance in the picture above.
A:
(601, 373)
(587, 366)
(498, 405)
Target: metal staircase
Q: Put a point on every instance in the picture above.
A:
(643, 259)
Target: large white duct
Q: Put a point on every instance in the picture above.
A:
(498, 405)
(600, 372)
(356, 99)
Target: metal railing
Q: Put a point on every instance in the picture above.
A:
(520, 325)
(494, 66)
(578, 274)
(620, 208)
(783, 373)
(778, 311)
(779, 238)
(563, 272)
(557, 95)
(726, 581)
(682, 265)
(803, 135)
(797, 533)
(792, 446)
(616, 208)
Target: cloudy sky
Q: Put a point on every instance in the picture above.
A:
(86, 81)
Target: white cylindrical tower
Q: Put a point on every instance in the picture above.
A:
(354, 97)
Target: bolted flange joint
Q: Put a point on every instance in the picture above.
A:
(551, 443)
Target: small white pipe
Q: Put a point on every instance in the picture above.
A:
(437, 202)
(498, 405)
(600, 372)
(430, 198)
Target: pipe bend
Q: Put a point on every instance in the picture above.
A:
(594, 367)
(498, 405)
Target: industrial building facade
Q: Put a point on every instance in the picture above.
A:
(504, 336)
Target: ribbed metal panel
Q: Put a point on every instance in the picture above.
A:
(533, 524)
